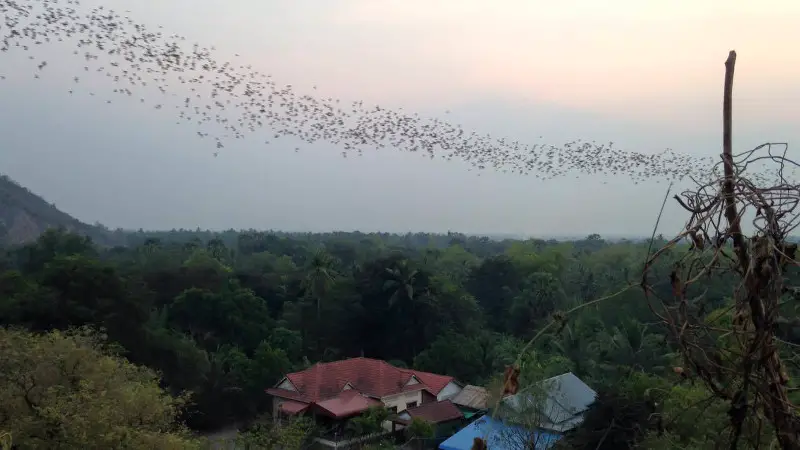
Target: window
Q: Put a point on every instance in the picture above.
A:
(411, 405)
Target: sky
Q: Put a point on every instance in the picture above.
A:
(646, 75)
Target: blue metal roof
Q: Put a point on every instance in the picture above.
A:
(493, 431)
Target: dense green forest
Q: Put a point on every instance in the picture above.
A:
(190, 327)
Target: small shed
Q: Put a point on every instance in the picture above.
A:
(445, 416)
(434, 412)
(471, 400)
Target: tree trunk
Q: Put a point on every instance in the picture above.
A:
(763, 282)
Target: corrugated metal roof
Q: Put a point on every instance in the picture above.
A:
(566, 398)
(471, 396)
(572, 394)
(499, 436)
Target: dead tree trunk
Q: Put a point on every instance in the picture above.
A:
(740, 364)
(762, 289)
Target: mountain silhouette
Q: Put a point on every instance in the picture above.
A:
(24, 216)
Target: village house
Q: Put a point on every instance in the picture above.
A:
(336, 391)
(532, 420)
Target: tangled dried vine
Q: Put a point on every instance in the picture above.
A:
(734, 351)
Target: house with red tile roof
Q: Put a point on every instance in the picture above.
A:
(444, 415)
(338, 390)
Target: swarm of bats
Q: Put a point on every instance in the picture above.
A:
(227, 100)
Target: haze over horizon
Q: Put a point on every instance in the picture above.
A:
(645, 76)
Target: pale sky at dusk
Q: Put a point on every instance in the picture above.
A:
(646, 75)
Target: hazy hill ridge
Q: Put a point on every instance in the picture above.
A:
(25, 215)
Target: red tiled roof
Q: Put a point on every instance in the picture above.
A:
(285, 393)
(372, 377)
(436, 412)
(434, 382)
(292, 407)
(346, 404)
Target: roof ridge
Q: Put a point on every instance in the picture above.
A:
(415, 372)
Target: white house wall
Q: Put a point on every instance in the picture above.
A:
(402, 400)
(412, 380)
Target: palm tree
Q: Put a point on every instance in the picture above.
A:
(407, 288)
(320, 276)
(573, 344)
(401, 282)
(631, 346)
